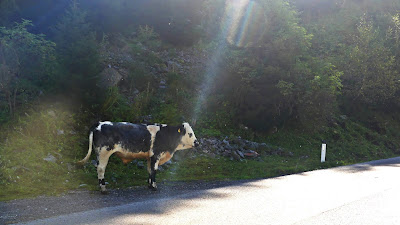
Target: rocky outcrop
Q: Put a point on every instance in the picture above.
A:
(109, 77)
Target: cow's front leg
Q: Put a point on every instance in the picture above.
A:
(154, 161)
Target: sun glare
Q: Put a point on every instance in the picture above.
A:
(239, 27)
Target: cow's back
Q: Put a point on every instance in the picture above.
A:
(131, 137)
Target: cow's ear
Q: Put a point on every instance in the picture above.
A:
(182, 130)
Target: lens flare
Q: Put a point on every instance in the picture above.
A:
(241, 25)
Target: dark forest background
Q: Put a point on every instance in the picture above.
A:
(307, 62)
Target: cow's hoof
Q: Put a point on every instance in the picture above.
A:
(103, 189)
(153, 187)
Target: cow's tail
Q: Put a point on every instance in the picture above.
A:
(83, 161)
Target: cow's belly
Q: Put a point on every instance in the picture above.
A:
(127, 157)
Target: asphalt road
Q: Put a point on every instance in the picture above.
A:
(365, 194)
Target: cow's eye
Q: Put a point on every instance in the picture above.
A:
(190, 135)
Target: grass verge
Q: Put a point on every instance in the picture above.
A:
(39, 151)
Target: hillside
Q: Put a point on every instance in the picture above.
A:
(263, 83)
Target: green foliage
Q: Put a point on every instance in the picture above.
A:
(27, 64)
(77, 50)
(41, 133)
(168, 114)
(274, 78)
(370, 75)
(317, 102)
(147, 36)
(140, 78)
(211, 11)
(115, 107)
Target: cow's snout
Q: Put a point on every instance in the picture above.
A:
(196, 143)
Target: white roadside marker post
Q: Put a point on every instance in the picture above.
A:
(323, 151)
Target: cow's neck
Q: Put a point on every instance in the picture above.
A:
(182, 147)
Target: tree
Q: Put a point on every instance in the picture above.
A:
(77, 50)
(27, 63)
(370, 75)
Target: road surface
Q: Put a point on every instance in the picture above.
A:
(365, 194)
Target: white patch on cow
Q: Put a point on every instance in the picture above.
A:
(188, 140)
(154, 185)
(164, 125)
(103, 156)
(162, 155)
(153, 129)
(103, 123)
(118, 148)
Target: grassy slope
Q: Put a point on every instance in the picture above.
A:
(52, 129)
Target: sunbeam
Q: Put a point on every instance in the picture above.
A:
(238, 28)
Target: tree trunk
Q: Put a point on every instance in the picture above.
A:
(15, 99)
(10, 104)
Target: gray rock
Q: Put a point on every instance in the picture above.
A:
(50, 158)
(140, 165)
(229, 147)
(51, 113)
(212, 155)
(240, 153)
(264, 145)
(236, 156)
(60, 132)
(70, 167)
(227, 153)
(109, 77)
(226, 142)
(252, 145)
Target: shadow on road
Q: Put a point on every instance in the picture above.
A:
(368, 166)
(170, 197)
(80, 201)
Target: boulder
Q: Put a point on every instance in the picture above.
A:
(109, 77)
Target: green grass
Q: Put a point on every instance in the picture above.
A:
(55, 130)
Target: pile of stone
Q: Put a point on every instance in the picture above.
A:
(237, 148)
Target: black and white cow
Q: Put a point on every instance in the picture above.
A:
(156, 143)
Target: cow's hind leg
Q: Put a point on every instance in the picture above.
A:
(153, 161)
(103, 157)
(149, 170)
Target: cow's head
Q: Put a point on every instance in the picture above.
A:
(188, 139)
